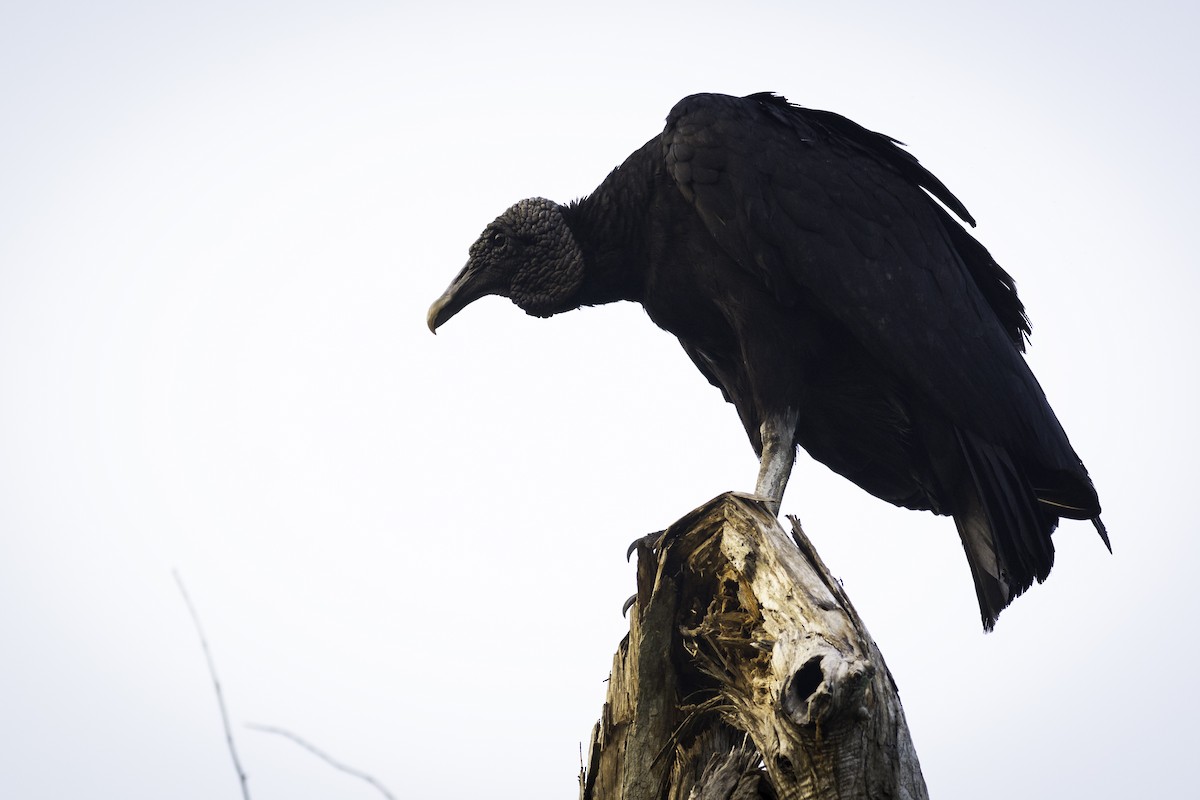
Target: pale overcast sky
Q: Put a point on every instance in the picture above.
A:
(220, 227)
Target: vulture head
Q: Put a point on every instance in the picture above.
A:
(527, 254)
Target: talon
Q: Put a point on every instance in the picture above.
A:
(628, 605)
(651, 540)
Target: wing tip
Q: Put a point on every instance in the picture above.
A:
(1103, 531)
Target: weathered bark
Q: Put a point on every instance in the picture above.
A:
(746, 674)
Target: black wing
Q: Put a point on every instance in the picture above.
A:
(813, 203)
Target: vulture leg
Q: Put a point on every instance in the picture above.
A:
(778, 432)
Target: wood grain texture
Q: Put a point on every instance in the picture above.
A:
(746, 674)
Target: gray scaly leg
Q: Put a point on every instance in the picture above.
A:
(778, 454)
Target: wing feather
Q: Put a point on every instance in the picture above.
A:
(812, 203)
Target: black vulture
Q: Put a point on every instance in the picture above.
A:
(809, 271)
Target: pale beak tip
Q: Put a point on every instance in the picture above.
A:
(431, 317)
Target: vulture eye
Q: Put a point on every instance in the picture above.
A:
(498, 240)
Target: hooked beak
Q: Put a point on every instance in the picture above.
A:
(466, 288)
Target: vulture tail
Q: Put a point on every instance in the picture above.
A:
(1004, 529)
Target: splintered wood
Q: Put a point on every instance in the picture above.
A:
(746, 674)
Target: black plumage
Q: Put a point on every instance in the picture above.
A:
(808, 272)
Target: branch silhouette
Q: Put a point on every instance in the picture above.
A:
(212, 671)
(323, 756)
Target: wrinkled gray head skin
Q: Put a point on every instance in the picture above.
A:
(528, 254)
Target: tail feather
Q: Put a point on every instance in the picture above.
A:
(1004, 529)
(991, 589)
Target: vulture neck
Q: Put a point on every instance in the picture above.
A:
(609, 226)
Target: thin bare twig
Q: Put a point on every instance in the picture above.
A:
(212, 671)
(324, 757)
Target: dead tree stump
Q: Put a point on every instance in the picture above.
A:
(746, 674)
